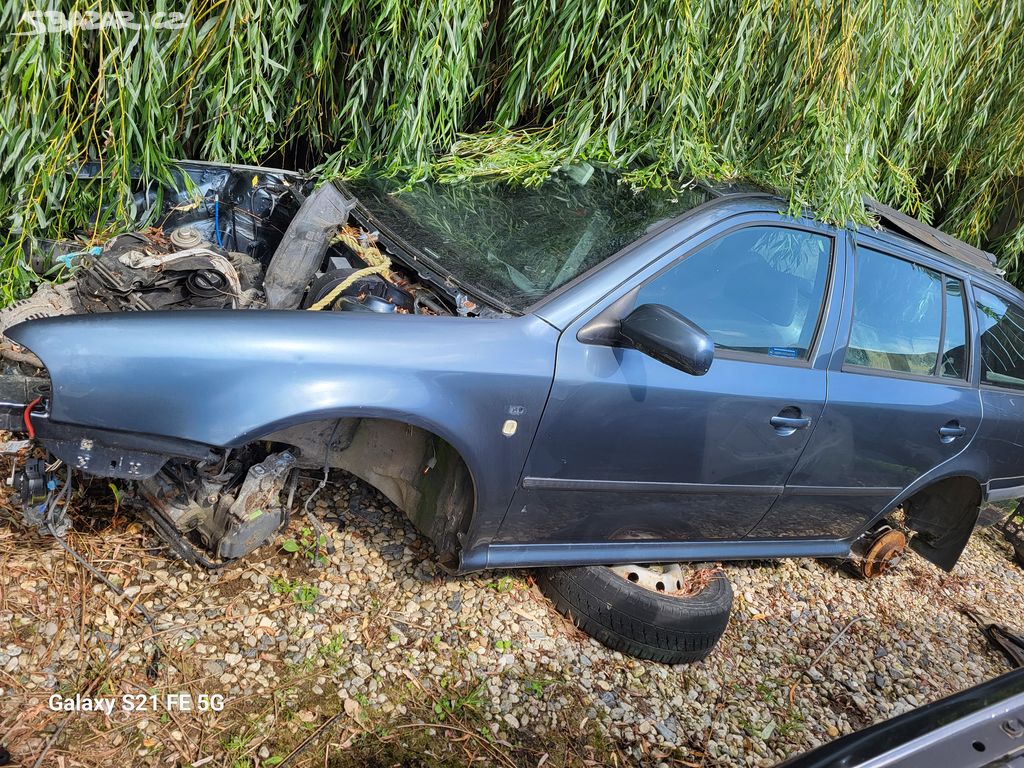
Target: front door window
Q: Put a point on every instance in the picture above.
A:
(757, 289)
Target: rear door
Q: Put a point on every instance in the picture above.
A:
(1001, 438)
(900, 398)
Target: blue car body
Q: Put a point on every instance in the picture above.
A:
(579, 450)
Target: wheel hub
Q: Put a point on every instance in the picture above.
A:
(667, 578)
(884, 552)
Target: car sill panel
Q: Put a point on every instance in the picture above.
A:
(622, 553)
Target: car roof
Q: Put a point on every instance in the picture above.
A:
(893, 223)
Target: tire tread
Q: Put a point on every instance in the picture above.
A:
(636, 621)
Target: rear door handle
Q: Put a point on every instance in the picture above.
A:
(951, 431)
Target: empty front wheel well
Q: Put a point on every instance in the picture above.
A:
(419, 471)
(943, 515)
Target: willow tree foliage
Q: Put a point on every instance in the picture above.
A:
(915, 102)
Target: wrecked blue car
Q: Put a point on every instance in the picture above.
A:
(597, 382)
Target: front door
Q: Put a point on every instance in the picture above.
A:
(900, 402)
(632, 449)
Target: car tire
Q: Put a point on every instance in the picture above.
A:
(638, 621)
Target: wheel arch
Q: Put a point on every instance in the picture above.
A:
(412, 462)
(942, 512)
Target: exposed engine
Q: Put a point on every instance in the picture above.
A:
(229, 507)
(180, 265)
(249, 242)
(144, 271)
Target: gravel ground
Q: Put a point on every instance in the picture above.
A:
(378, 658)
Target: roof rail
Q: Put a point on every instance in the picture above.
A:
(932, 237)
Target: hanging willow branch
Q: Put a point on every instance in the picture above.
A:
(918, 105)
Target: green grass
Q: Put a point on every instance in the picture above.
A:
(826, 101)
(456, 699)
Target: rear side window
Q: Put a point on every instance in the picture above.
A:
(1002, 341)
(907, 318)
(757, 289)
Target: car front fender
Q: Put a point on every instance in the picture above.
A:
(226, 378)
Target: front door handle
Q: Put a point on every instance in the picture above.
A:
(951, 430)
(787, 425)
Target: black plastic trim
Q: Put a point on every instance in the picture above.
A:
(567, 484)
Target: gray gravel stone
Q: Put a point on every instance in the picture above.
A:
(389, 623)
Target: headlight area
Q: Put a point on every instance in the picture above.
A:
(21, 397)
(209, 505)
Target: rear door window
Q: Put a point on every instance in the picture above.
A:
(1002, 340)
(954, 335)
(907, 318)
(759, 289)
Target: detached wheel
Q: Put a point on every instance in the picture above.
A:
(660, 613)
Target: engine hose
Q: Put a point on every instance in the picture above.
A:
(379, 264)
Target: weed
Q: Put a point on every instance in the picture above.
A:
(506, 584)
(333, 646)
(791, 723)
(455, 700)
(236, 746)
(304, 595)
(280, 585)
(536, 687)
(309, 545)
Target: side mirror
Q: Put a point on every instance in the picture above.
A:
(668, 337)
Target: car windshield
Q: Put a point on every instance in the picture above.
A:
(519, 243)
